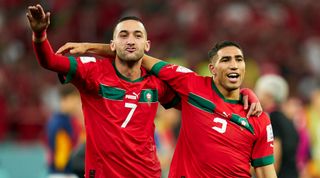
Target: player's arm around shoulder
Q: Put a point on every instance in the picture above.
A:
(100, 49)
(148, 62)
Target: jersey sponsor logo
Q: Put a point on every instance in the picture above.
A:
(131, 97)
(183, 69)
(134, 96)
(269, 133)
(87, 59)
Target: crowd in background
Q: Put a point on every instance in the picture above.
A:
(278, 36)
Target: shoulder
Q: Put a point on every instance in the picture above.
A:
(263, 118)
(260, 122)
(264, 115)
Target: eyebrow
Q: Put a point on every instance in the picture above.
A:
(236, 56)
(126, 31)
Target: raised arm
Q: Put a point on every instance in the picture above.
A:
(100, 49)
(39, 22)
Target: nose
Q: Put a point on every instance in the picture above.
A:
(131, 40)
(233, 64)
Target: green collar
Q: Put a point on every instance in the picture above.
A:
(214, 87)
(125, 78)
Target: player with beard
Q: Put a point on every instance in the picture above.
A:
(119, 99)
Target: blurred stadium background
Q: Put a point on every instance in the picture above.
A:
(278, 36)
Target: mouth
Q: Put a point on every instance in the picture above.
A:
(131, 50)
(233, 77)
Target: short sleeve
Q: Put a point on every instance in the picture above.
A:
(81, 72)
(177, 77)
(262, 153)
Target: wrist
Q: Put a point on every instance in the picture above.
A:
(39, 37)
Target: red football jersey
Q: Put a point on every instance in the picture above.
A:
(119, 118)
(209, 144)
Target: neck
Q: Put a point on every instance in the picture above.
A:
(130, 70)
(228, 94)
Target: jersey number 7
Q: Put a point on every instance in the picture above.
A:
(133, 107)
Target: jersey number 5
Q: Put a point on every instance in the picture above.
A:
(133, 107)
(223, 126)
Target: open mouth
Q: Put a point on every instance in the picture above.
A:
(233, 77)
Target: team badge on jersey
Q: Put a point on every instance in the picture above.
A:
(148, 96)
(269, 133)
(86, 59)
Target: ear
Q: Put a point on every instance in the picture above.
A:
(147, 45)
(211, 69)
(112, 45)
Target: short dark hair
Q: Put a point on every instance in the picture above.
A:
(221, 45)
(128, 18)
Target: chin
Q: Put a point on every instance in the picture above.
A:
(130, 59)
(233, 87)
(133, 58)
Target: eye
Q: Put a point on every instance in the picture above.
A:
(139, 36)
(123, 35)
(224, 59)
(239, 59)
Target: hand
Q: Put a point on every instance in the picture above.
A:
(72, 48)
(250, 98)
(38, 19)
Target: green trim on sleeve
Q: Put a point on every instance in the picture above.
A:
(263, 161)
(72, 70)
(172, 103)
(157, 67)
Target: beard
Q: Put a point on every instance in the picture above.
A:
(129, 57)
